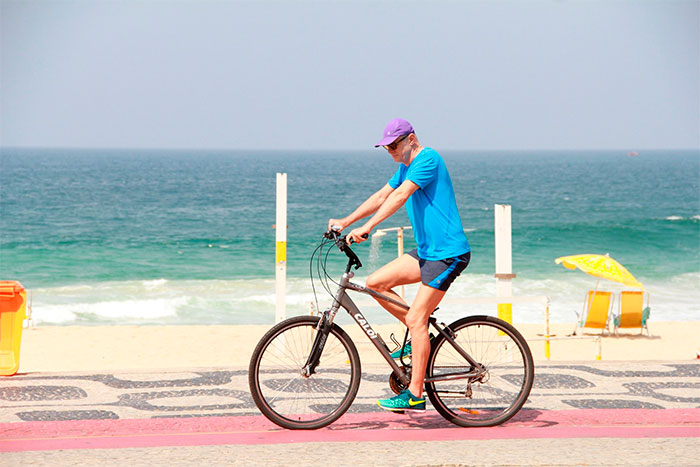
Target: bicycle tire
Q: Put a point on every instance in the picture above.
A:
(284, 395)
(505, 385)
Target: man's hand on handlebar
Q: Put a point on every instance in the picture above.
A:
(336, 224)
(358, 235)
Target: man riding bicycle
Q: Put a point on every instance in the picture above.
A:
(423, 184)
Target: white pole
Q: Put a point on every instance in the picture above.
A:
(504, 259)
(281, 249)
(399, 243)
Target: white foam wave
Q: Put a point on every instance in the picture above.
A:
(133, 311)
(154, 284)
(253, 301)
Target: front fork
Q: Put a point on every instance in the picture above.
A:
(403, 372)
(323, 329)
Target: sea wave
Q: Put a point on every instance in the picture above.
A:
(253, 301)
(681, 218)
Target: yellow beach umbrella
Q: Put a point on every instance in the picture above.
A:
(601, 266)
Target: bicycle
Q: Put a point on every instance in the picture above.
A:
(305, 371)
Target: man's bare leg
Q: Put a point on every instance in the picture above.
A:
(401, 271)
(426, 301)
(406, 270)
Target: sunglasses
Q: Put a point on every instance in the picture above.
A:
(394, 145)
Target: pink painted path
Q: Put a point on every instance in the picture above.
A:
(201, 431)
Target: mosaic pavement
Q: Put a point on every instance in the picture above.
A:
(224, 392)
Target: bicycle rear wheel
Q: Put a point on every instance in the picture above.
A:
(287, 397)
(488, 397)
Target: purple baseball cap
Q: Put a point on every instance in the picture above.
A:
(394, 129)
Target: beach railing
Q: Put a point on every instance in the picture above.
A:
(547, 337)
(544, 300)
(499, 301)
(399, 243)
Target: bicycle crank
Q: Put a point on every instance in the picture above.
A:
(396, 385)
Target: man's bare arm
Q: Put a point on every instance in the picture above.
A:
(391, 204)
(369, 207)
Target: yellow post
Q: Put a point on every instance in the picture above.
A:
(281, 252)
(505, 312)
(546, 333)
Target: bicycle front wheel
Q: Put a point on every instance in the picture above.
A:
(285, 395)
(485, 396)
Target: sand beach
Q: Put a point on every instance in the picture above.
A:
(111, 348)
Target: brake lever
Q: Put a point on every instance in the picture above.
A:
(341, 243)
(332, 233)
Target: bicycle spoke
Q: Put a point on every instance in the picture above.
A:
(282, 390)
(499, 386)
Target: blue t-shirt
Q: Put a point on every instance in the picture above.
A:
(432, 208)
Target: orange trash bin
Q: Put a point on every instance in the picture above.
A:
(13, 311)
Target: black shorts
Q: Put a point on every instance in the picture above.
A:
(440, 274)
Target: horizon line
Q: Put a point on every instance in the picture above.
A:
(225, 149)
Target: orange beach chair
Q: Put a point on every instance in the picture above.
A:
(596, 311)
(632, 312)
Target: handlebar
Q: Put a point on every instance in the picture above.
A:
(334, 235)
(341, 243)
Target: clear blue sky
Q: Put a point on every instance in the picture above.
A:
(320, 75)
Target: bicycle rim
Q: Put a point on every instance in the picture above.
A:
(500, 391)
(288, 398)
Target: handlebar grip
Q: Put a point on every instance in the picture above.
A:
(365, 236)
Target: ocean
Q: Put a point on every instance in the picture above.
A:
(186, 237)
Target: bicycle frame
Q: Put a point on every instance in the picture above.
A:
(343, 299)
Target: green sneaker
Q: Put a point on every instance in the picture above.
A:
(406, 350)
(404, 401)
